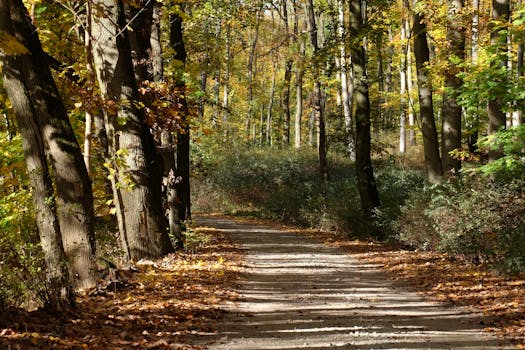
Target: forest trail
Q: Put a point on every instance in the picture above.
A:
(296, 293)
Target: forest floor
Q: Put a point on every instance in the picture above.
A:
(149, 305)
(284, 288)
(298, 293)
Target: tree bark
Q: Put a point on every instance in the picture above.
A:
(365, 173)
(73, 186)
(183, 137)
(475, 31)
(451, 127)
(403, 88)
(409, 88)
(251, 74)
(139, 16)
(498, 39)
(317, 93)
(269, 114)
(517, 115)
(226, 81)
(146, 46)
(428, 124)
(298, 82)
(135, 156)
(346, 85)
(15, 83)
(287, 78)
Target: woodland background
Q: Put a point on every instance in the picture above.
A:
(389, 120)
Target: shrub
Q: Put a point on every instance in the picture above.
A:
(479, 218)
(285, 185)
(22, 272)
(21, 261)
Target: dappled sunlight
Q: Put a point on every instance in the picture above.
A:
(450, 279)
(296, 293)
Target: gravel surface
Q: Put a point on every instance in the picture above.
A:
(296, 293)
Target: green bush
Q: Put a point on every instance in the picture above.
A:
(285, 185)
(22, 276)
(479, 218)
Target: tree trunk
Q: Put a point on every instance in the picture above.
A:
(475, 31)
(428, 124)
(73, 186)
(403, 88)
(139, 16)
(517, 115)
(389, 75)
(287, 78)
(183, 137)
(365, 173)
(59, 289)
(170, 186)
(409, 88)
(298, 83)
(157, 62)
(451, 127)
(346, 96)
(226, 81)
(270, 106)
(498, 39)
(317, 93)
(145, 23)
(15, 81)
(217, 79)
(138, 171)
(204, 84)
(251, 74)
(380, 115)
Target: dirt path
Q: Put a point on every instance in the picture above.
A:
(299, 294)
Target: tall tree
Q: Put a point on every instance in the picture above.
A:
(298, 80)
(287, 77)
(409, 87)
(451, 113)
(252, 70)
(346, 84)
(498, 40)
(183, 137)
(146, 50)
(42, 114)
(428, 123)
(403, 86)
(365, 173)
(317, 93)
(15, 83)
(134, 154)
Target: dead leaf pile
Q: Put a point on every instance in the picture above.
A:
(162, 306)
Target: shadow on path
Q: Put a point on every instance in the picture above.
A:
(296, 293)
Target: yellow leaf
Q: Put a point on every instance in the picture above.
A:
(9, 45)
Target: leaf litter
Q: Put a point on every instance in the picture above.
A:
(168, 301)
(156, 304)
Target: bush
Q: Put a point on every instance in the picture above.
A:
(285, 185)
(22, 272)
(22, 276)
(478, 218)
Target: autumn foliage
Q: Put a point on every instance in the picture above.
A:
(149, 305)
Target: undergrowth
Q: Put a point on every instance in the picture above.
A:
(285, 185)
(477, 217)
